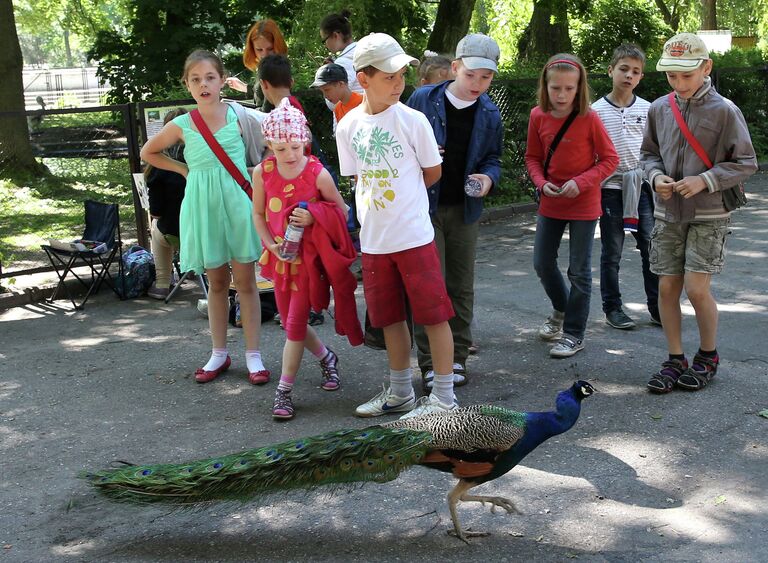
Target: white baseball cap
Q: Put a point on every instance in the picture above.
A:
(382, 52)
(683, 52)
(478, 51)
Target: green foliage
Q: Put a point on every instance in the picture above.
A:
(33, 210)
(405, 20)
(41, 22)
(618, 21)
(736, 58)
(147, 56)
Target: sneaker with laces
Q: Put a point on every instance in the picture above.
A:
(619, 319)
(385, 403)
(552, 329)
(430, 404)
(566, 347)
(459, 377)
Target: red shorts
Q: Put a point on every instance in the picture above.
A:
(416, 272)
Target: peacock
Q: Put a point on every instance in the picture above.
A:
(476, 444)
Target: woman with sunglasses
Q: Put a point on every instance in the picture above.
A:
(336, 36)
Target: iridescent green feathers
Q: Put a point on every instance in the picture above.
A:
(346, 456)
(377, 453)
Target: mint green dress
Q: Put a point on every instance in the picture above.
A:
(216, 221)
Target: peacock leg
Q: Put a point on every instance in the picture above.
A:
(454, 496)
(501, 502)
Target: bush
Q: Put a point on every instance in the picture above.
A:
(620, 21)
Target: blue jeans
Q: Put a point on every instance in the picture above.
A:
(574, 303)
(612, 239)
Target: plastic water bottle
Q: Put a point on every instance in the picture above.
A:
(289, 250)
(473, 187)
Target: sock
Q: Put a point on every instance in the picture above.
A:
(253, 361)
(286, 383)
(442, 388)
(708, 354)
(321, 352)
(680, 357)
(400, 382)
(217, 359)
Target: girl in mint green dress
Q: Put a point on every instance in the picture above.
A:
(216, 221)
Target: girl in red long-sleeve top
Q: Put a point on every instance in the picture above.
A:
(570, 195)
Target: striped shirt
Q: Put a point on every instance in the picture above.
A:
(625, 126)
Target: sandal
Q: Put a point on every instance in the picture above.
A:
(330, 370)
(282, 409)
(701, 372)
(663, 381)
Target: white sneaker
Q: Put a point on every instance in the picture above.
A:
(566, 347)
(459, 376)
(385, 403)
(430, 404)
(552, 329)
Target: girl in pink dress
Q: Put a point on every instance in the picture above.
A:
(280, 182)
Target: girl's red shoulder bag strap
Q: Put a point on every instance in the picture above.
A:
(220, 153)
(695, 145)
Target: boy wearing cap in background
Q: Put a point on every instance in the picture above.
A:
(469, 130)
(692, 221)
(392, 151)
(333, 82)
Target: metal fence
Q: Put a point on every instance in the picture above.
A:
(92, 152)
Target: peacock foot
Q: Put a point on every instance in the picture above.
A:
(464, 535)
(501, 502)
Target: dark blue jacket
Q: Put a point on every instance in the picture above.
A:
(484, 151)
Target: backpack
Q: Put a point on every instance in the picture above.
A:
(138, 272)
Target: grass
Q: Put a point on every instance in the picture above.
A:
(33, 210)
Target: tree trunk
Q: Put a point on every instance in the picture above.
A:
(708, 14)
(451, 24)
(546, 33)
(15, 151)
(671, 17)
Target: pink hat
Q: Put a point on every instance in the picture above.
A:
(285, 124)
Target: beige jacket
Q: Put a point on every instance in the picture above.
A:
(720, 128)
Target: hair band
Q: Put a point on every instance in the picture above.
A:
(565, 62)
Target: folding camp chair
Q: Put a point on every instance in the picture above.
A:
(102, 224)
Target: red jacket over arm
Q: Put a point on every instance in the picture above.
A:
(328, 252)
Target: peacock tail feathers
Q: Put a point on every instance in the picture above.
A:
(345, 456)
(477, 427)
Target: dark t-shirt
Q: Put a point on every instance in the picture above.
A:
(458, 128)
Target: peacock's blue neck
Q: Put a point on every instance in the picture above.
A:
(539, 426)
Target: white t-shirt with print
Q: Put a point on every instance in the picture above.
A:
(386, 152)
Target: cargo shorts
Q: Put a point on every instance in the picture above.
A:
(698, 246)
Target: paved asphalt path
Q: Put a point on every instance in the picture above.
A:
(681, 477)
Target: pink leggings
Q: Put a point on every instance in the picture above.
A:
(294, 311)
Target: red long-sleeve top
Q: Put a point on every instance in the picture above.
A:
(585, 155)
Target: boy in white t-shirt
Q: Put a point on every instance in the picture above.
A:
(392, 150)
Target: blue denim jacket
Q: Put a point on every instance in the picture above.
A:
(484, 151)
